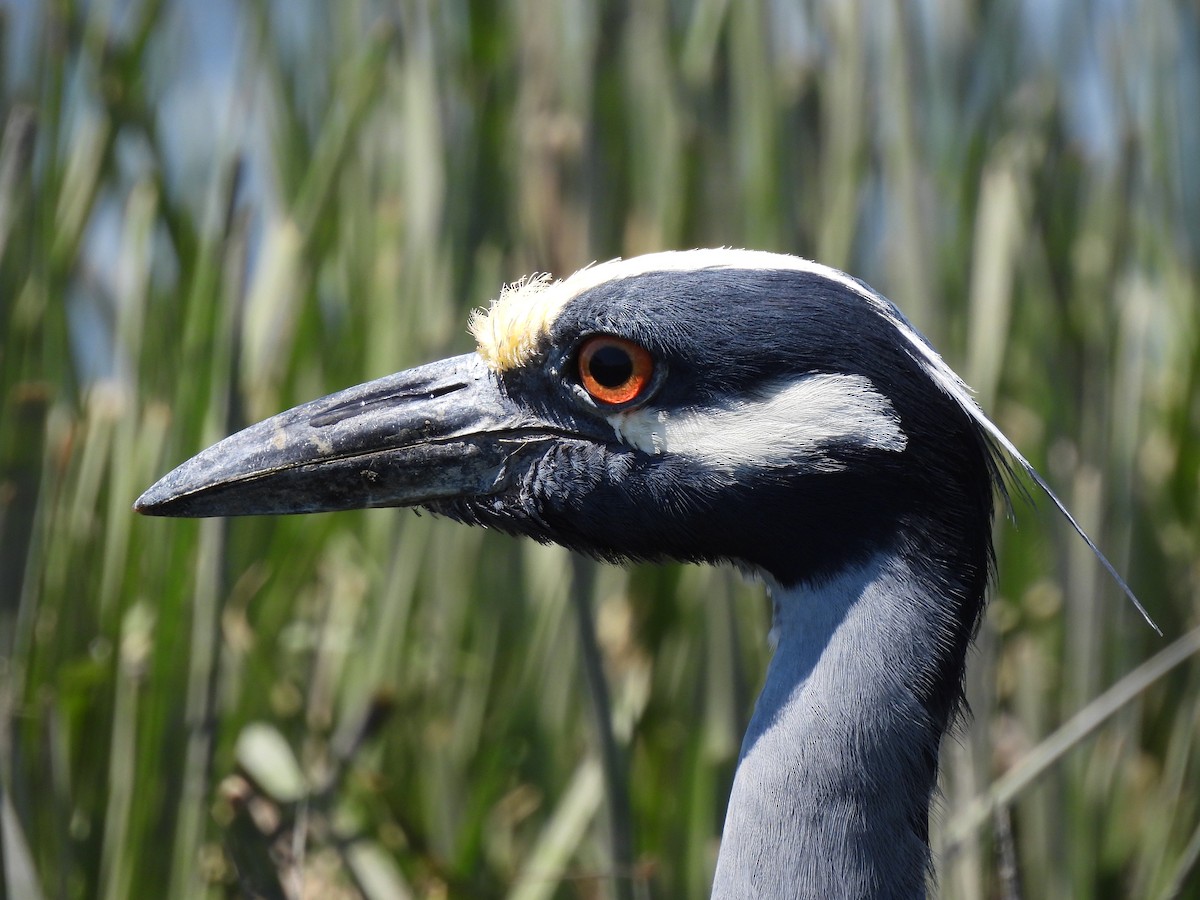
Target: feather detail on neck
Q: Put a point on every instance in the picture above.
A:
(839, 764)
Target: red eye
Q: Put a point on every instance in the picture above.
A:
(614, 370)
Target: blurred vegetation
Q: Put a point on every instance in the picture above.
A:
(210, 211)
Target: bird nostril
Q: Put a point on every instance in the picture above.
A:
(342, 411)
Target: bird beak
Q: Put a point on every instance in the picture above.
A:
(441, 431)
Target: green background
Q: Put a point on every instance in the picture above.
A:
(383, 705)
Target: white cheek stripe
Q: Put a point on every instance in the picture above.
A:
(795, 424)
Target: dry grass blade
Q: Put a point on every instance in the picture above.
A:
(1069, 735)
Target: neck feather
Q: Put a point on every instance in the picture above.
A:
(832, 792)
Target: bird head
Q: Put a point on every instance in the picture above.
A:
(706, 405)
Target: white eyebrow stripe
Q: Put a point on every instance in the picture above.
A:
(794, 424)
(507, 333)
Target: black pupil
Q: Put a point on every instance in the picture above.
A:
(611, 366)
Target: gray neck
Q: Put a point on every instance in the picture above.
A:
(832, 791)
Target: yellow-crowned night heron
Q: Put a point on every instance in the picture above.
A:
(709, 405)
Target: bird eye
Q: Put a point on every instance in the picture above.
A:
(613, 370)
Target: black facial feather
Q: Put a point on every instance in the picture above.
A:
(722, 334)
